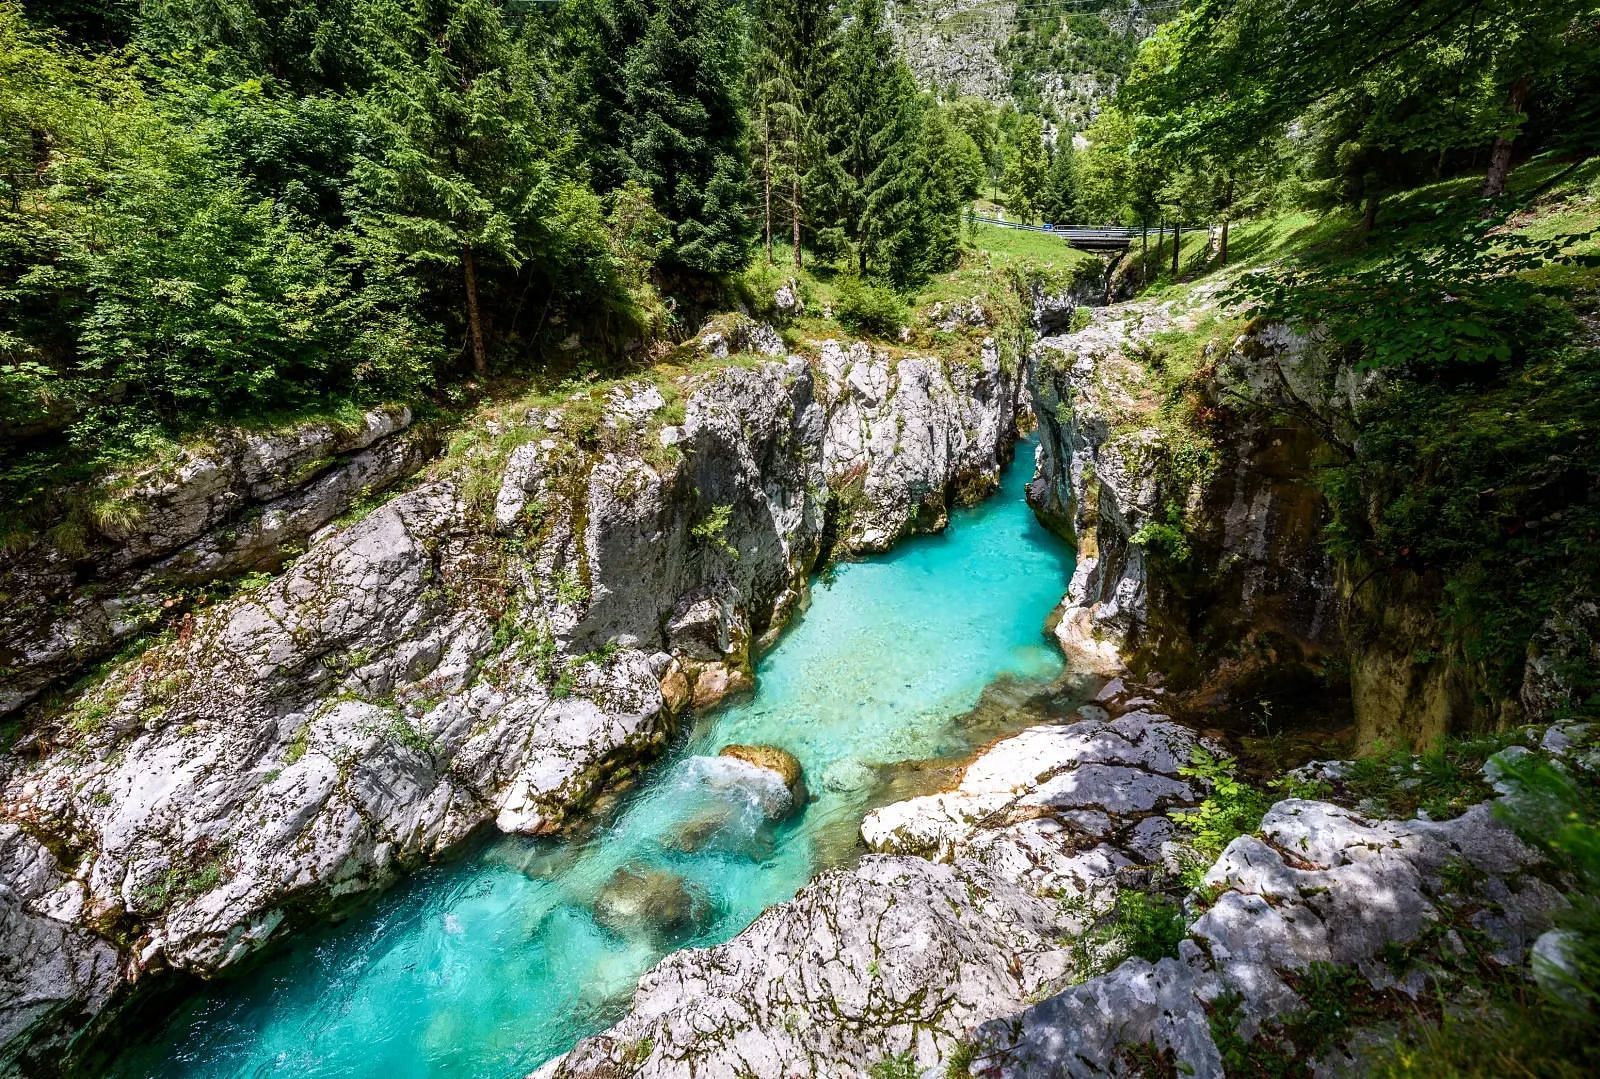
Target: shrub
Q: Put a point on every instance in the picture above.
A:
(1233, 808)
(867, 308)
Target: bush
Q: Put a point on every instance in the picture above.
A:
(1233, 808)
(1150, 926)
(867, 308)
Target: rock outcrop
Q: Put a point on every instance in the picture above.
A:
(1004, 52)
(138, 542)
(1113, 476)
(978, 948)
(1318, 885)
(902, 956)
(497, 643)
(1200, 529)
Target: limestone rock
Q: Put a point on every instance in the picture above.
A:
(1254, 520)
(779, 762)
(651, 901)
(901, 955)
(447, 660)
(242, 501)
(1319, 885)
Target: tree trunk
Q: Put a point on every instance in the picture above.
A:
(1369, 216)
(1494, 184)
(480, 358)
(766, 183)
(1144, 239)
(1222, 247)
(794, 213)
(1177, 242)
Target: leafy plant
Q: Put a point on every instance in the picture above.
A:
(1461, 297)
(713, 528)
(900, 1066)
(1231, 809)
(868, 308)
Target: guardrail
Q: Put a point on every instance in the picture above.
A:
(1109, 230)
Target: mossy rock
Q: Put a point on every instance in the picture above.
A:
(779, 761)
(638, 901)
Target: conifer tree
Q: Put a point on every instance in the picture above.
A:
(1027, 174)
(794, 54)
(683, 129)
(872, 126)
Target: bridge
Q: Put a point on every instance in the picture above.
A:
(1086, 237)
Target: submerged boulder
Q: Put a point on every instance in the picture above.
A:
(848, 775)
(637, 901)
(722, 828)
(778, 761)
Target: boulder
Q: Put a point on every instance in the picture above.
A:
(776, 760)
(637, 901)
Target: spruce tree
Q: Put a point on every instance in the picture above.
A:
(452, 110)
(872, 126)
(683, 130)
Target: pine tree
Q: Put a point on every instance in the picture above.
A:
(793, 57)
(931, 241)
(683, 129)
(459, 175)
(871, 120)
(1061, 189)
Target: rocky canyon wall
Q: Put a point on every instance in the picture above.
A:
(1201, 532)
(506, 639)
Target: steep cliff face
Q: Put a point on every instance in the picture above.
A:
(1201, 530)
(1200, 560)
(498, 643)
(1063, 64)
(142, 541)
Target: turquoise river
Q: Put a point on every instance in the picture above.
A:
(490, 964)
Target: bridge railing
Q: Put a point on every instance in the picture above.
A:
(1108, 232)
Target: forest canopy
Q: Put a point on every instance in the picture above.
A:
(214, 210)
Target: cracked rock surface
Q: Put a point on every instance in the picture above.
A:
(971, 941)
(497, 643)
(235, 503)
(904, 954)
(1318, 884)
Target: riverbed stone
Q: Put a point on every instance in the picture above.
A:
(928, 957)
(639, 900)
(779, 762)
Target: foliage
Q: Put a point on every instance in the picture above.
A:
(1232, 807)
(867, 308)
(682, 128)
(1028, 172)
(1461, 296)
(1558, 813)
(713, 530)
(1426, 75)
(1443, 780)
(902, 1066)
(1149, 926)
(1163, 536)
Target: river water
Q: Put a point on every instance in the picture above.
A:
(492, 964)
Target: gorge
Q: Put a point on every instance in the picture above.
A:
(632, 539)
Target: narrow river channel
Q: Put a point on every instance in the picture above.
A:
(492, 964)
